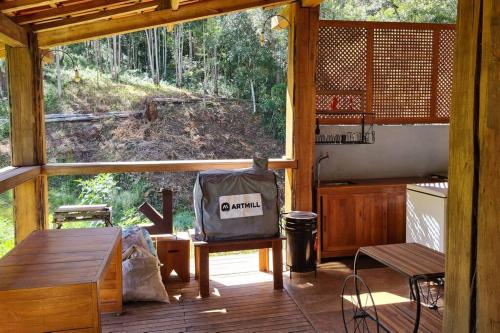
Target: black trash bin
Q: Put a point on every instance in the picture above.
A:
(300, 230)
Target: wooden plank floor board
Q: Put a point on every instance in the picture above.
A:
(242, 300)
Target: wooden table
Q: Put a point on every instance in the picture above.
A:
(61, 280)
(202, 251)
(417, 263)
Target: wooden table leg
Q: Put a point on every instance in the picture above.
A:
(204, 271)
(196, 262)
(277, 264)
(264, 260)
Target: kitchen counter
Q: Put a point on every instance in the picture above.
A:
(380, 181)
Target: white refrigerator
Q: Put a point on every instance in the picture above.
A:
(426, 214)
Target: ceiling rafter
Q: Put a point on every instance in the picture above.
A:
(185, 13)
(68, 10)
(17, 5)
(101, 15)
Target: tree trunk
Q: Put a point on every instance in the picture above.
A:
(190, 46)
(254, 104)
(216, 72)
(58, 72)
(178, 54)
(156, 56)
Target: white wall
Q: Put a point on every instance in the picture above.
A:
(399, 151)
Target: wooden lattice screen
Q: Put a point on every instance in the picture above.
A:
(395, 73)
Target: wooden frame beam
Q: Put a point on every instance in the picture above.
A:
(27, 135)
(11, 177)
(66, 169)
(101, 15)
(311, 3)
(185, 13)
(67, 11)
(301, 106)
(17, 5)
(12, 34)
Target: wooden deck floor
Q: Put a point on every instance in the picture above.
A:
(242, 300)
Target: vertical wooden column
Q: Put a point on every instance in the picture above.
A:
(473, 251)
(301, 105)
(27, 134)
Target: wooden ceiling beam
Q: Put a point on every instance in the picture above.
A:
(311, 3)
(17, 5)
(102, 15)
(65, 11)
(12, 34)
(185, 13)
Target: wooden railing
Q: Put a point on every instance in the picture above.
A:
(11, 177)
(58, 169)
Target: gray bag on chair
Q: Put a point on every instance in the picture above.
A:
(236, 204)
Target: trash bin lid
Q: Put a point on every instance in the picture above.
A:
(300, 215)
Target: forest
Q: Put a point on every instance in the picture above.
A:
(227, 81)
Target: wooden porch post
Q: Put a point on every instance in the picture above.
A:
(473, 249)
(301, 106)
(27, 134)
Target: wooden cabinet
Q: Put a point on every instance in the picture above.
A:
(351, 216)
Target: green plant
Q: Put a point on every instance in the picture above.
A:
(131, 217)
(183, 219)
(99, 189)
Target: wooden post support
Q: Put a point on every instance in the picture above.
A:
(27, 135)
(301, 106)
(472, 284)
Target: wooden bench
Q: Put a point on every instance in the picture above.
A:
(61, 280)
(79, 213)
(202, 251)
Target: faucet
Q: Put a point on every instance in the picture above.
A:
(320, 159)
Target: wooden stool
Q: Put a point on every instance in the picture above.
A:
(202, 251)
(173, 253)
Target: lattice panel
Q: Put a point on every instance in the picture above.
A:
(393, 72)
(402, 73)
(445, 77)
(341, 59)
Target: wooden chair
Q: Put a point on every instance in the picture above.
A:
(202, 251)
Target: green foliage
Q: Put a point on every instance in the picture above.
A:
(7, 237)
(97, 190)
(183, 219)
(435, 11)
(273, 111)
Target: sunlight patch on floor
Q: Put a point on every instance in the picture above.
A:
(238, 279)
(379, 298)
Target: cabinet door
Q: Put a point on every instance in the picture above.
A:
(340, 223)
(396, 217)
(373, 225)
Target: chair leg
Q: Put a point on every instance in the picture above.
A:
(204, 272)
(277, 264)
